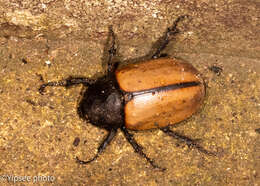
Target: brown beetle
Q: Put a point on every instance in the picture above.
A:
(150, 94)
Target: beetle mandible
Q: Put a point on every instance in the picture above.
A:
(150, 94)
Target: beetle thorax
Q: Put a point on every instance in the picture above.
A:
(103, 106)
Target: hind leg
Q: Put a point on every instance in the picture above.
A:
(191, 143)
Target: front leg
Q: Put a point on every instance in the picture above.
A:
(70, 81)
(101, 148)
(111, 65)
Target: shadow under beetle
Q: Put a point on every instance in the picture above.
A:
(150, 94)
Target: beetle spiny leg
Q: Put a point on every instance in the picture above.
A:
(171, 31)
(70, 81)
(111, 51)
(139, 149)
(184, 139)
(175, 23)
(101, 148)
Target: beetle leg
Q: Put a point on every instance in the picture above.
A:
(112, 52)
(139, 149)
(101, 148)
(184, 139)
(171, 31)
(67, 83)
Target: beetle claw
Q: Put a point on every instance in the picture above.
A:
(85, 162)
(158, 168)
(41, 89)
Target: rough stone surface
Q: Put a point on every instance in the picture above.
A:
(50, 40)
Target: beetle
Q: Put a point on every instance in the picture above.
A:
(150, 94)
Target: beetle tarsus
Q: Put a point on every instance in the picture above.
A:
(70, 81)
(101, 148)
(85, 162)
(139, 149)
(191, 143)
(171, 31)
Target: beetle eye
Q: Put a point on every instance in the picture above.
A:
(102, 91)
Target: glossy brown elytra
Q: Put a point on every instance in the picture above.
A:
(150, 94)
(159, 92)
